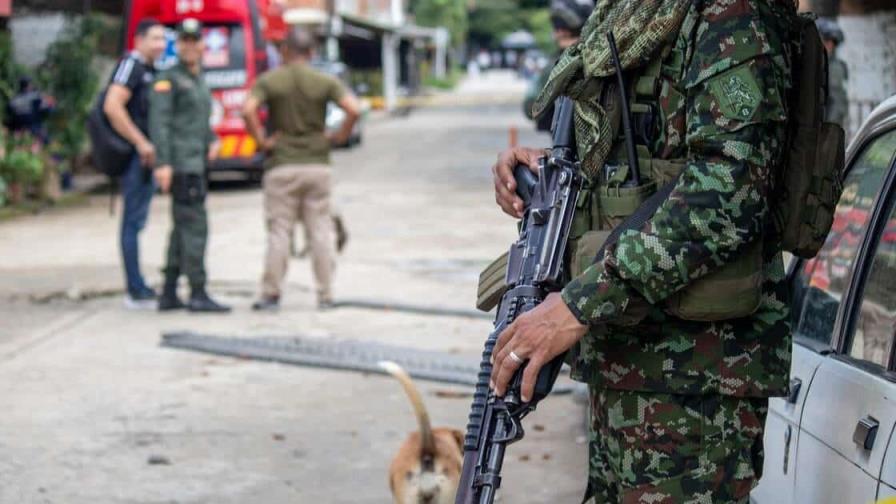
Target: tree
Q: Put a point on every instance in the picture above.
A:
(68, 75)
(452, 14)
(491, 21)
(10, 71)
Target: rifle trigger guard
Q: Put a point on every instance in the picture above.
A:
(515, 430)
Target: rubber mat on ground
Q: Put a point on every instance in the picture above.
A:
(349, 355)
(412, 309)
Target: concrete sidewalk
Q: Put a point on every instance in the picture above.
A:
(96, 411)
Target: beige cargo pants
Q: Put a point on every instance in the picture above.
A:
(291, 193)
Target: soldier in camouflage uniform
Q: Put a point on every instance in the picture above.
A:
(567, 19)
(678, 405)
(837, 109)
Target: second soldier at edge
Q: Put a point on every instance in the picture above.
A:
(180, 107)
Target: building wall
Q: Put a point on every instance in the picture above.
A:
(32, 34)
(869, 51)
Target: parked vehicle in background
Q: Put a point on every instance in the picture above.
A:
(238, 37)
(830, 440)
(335, 115)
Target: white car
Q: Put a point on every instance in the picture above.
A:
(831, 440)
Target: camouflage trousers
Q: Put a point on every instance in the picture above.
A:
(674, 449)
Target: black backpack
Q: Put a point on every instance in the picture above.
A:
(111, 152)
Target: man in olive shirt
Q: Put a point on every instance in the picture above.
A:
(180, 106)
(296, 182)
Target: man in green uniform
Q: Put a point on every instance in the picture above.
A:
(679, 398)
(180, 106)
(567, 19)
(297, 176)
(837, 110)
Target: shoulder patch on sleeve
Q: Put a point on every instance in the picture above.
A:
(162, 86)
(737, 93)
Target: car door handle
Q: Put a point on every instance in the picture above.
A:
(795, 386)
(866, 432)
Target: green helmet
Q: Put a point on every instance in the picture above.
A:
(570, 14)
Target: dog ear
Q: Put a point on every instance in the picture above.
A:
(459, 437)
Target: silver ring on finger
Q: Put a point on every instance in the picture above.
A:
(515, 358)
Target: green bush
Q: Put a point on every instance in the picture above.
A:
(446, 83)
(10, 71)
(23, 163)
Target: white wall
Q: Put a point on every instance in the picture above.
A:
(869, 50)
(32, 34)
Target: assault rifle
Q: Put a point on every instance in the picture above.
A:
(536, 267)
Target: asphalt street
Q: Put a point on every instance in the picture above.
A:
(95, 411)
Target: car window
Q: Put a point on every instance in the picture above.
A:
(820, 283)
(875, 327)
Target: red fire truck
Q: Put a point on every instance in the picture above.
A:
(237, 35)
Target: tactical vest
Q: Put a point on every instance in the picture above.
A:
(807, 183)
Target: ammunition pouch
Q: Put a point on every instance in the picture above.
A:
(620, 202)
(584, 249)
(733, 291)
(188, 189)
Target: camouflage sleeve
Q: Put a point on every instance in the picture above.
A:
(735, 123)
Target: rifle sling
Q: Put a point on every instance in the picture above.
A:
(638, 218)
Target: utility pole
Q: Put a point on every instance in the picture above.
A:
(332, 43)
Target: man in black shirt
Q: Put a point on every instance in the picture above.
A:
(127, 107)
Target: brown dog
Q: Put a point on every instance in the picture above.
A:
(427, 467)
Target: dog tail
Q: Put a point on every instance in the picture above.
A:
(426, 437)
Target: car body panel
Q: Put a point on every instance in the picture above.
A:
(886, 491)
(888, 474)
(835, 481)
(810, 453)
(840, 396)
(782, 431)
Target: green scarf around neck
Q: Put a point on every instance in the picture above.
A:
(641, 28)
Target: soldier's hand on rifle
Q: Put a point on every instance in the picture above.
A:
(505, 184)
(536, 336)
(163, 175)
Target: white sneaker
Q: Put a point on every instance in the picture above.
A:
(139, 304)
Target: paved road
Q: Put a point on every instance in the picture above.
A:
(88, 396)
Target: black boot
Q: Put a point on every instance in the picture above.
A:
(169, 301)
(201, 302)
(267, 303)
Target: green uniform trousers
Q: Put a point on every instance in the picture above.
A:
(674, 449)
(189, 234)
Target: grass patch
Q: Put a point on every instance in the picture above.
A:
(447, 83)
(33, 207)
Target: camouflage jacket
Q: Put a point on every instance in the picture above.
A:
(722, 108)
